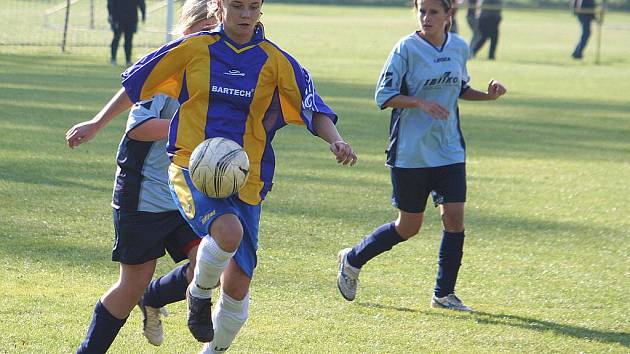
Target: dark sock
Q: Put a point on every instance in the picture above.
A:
(449, 260)
(168, 288)
(382, 239)
(102, 331)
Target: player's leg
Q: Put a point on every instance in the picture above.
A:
(112, 310)
(115, 42)
(128, 46)
(213, 257)
(181, 242)
(451, 188)
(218, 220)
(410, 194)
(232, 309)
(482, 26)
(494, 38)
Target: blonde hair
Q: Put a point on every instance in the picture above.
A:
(194, 11)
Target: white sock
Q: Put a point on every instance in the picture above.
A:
(211, 261)
(228, 318)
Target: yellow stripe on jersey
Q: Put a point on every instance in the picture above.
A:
(178, 180)
(288, 89)
(239, 51)
(255, 138)
(190, 130)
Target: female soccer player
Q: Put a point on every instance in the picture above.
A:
(145, 217)
(234, 83)
(421, 80)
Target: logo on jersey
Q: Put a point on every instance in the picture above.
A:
(234, 72)
(439, 60)
(445, 79)
(387, 79)
(232, 91)
(309, 93)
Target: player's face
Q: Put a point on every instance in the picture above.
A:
(240, 18)
(432, 16)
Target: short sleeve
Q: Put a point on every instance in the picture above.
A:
(143, 111)
(160, 72)
(298, 97)
(391, 78)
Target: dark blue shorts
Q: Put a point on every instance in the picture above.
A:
(143, 236)
(412, 186)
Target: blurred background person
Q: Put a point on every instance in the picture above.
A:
(585, 12)
(123, 18)
(471, 19)
(488, 17)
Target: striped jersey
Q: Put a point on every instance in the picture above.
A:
(241, 92)
(417, 68)
(141, 182)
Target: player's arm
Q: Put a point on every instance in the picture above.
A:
(388, 89)
(85, 131)
(327, 131)
(495, 90)
(435, 110)
(152, 130)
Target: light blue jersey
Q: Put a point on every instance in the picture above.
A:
(416, 68)
(141, 182)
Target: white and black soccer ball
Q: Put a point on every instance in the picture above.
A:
(219, 167)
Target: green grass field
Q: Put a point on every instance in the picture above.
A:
(547, 256)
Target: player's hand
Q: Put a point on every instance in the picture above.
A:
(81, 133)
(433, 109)
(496, 89)
(343, 152)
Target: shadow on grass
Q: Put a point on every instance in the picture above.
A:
(539, 326)
(387, 307)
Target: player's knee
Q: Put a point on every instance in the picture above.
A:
(409, 230)
(235, 291)
(453, 224)
(227, 232)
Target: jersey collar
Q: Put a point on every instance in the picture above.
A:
(259, 36)
(447, 40)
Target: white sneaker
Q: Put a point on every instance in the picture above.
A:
(451, 302)
(347, 276)
(152, 325)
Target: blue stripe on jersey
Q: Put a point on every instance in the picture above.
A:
(394, 125)
(233, 84)
(129, 178)
(459, 129)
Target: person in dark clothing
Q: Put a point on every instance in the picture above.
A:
(471, 19)
(488, 17)
(123, 18)
(585, 12)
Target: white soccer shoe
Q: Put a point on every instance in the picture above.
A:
(451, 302)
(347, 276)
(152, 325)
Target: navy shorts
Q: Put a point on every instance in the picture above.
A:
(412, 186)
(143, 236)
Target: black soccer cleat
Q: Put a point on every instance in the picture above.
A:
(200, 318)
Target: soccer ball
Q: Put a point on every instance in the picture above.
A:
(219, 167)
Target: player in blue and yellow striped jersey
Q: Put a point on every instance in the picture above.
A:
(234, 83)
(422, 80)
